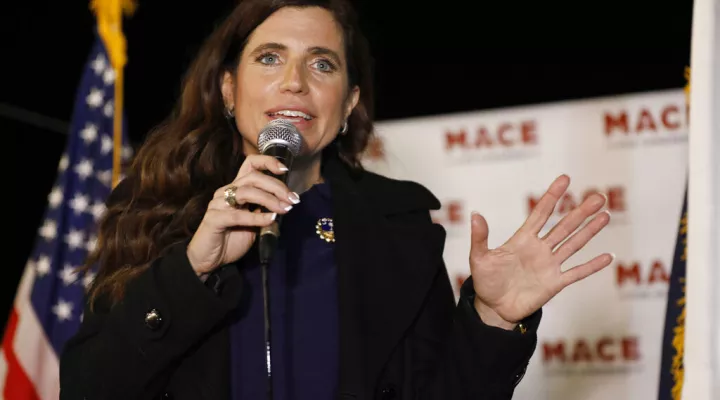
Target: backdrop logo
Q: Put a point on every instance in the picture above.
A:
(591, 356)
(646, 125)
(504, 140)
(616, 203)
(635, 279)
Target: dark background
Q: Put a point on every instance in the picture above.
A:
(430, 58)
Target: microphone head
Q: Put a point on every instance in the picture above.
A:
(280, 132)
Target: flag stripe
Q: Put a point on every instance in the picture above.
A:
(19, 386)
(36, 355)
(3, 371)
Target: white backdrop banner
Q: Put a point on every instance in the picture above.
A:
(600, 338)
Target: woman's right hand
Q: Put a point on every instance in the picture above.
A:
(226, 233)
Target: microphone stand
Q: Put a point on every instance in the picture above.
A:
(268, 330)
(267, 245)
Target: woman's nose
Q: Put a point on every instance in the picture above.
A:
(294, 79)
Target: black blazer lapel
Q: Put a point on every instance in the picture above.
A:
(385, 270)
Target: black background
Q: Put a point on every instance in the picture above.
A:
(430, 58)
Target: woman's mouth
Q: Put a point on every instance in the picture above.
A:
(290, 114)
(300, 119)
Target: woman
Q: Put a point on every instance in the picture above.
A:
(362, 306)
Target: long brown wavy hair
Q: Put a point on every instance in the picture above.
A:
(185, 159)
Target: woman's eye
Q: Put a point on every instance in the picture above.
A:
(268, 59)
(324, 66)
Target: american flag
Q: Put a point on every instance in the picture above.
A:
(48, 305)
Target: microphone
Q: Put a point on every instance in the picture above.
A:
(282, 140)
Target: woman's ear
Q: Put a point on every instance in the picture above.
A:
(227, 87)
(352, 100)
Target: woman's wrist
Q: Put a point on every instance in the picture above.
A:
(490, 317)
(200, 274)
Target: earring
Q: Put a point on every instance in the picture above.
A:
(344, 128)
(229, 113)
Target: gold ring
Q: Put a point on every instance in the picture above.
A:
(230, 196)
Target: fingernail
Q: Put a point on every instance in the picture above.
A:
(595, 201)
(283, 168)
(294, 197)
(604, 197)
(273, 216)
(608, 212)
(612, 255)
(473, 214)
(288, 208)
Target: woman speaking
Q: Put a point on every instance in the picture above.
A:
(361, 304)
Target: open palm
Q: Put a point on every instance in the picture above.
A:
(519, 277)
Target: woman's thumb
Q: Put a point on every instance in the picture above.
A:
(479, 232)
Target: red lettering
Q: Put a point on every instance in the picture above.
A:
(665, 117)
(669, 117)
(645, 122)
(551, 351)
(581, 352)
(532, 203)
(568, 202)
(502, 130)
(453, 139)
(602, 352)
(630, 349)
(624, 273)
(451, 212)
(616, 122)
(455, 212)
(605, 349)
(658, 273)
(483, 138)
(528, 131)
(616, 198)
(506, 134)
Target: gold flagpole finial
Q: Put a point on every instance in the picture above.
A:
(108, 14)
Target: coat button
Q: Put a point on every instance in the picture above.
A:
(388, 392)
(153, 319)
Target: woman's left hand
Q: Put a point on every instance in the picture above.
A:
(516, 279)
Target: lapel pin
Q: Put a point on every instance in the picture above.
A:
(324, 229)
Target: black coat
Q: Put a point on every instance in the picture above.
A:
(402, 336)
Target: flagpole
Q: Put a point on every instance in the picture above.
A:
(109, 15)
(702, 326)
(117, 127)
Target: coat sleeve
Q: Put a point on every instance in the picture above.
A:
(129, 351)
(470, 360)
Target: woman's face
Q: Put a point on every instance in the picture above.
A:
(293, 67)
